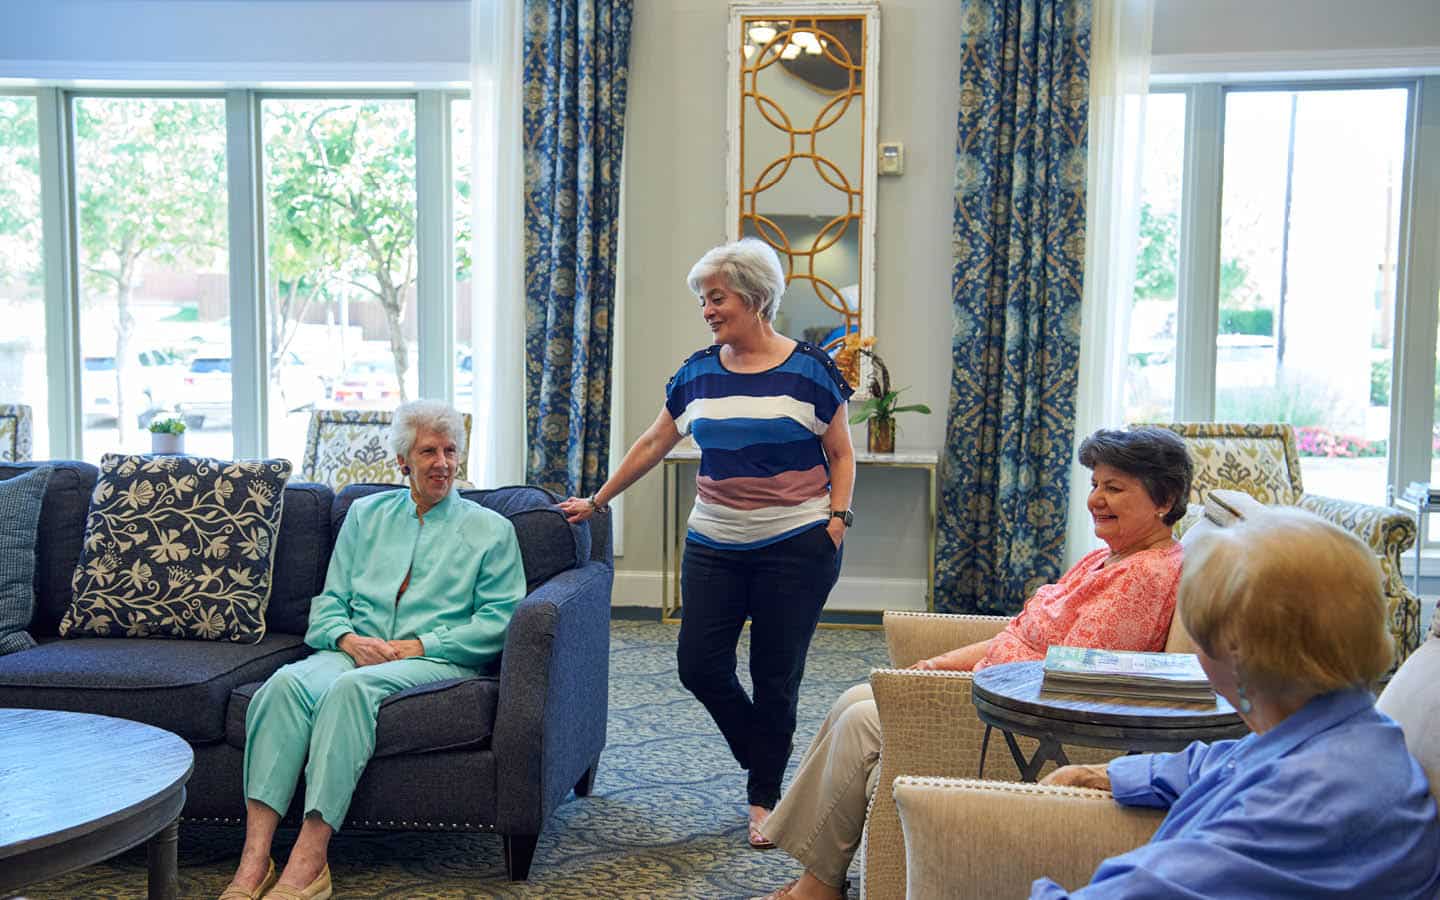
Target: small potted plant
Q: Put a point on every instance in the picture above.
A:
(167, 436)
(880, 404)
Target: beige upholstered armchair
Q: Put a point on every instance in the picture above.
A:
(350, 446)
(928, 723)
(1262, 461)
(969, 838)
(929, 727)
(15, 419)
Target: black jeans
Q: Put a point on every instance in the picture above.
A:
(781, 589)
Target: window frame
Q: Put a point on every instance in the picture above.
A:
(1417, 288)
(247, 257)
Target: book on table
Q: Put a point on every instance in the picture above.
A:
(1126, 673)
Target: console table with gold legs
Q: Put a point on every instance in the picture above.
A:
(672, 521)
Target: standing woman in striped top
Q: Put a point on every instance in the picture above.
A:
(771, 508)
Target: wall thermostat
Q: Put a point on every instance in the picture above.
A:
(892, 158)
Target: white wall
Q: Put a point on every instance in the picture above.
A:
(1244, 36)
(675, 208)
(237, 41)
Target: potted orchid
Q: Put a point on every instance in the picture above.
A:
(880, 403)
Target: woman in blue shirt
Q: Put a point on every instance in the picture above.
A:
(1323, 799)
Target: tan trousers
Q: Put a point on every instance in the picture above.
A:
(820, 819)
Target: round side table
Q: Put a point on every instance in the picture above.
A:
(1008, 697)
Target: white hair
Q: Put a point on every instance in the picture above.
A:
(750, 267)
(439, 417)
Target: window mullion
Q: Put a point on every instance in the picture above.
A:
(249, 338)
(62, 299)
(1417, 287)
(435, 251)
(1199, 278)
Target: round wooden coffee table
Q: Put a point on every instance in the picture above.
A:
(76, 789)
(1008, 697)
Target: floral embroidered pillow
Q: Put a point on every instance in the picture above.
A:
(178, 546)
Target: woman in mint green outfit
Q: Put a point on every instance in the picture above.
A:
(421, 587)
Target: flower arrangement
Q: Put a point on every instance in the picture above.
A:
(167, 426)
(881, 402)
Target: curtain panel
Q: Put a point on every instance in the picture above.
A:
(1019, 238)
(575, 68)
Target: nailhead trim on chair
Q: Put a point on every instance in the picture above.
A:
(392, 824)
(1008, 787)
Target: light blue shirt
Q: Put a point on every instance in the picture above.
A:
(1329, 803)
(465, 571)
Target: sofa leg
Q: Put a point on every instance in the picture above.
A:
(519, 851)
(586, 782)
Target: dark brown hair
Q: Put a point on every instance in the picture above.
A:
(1156, 456)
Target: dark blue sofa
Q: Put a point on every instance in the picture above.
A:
(495, 753)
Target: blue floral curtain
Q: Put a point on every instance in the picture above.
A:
(576, 56)
(1019, 238)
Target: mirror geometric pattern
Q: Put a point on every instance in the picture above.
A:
(802, 113)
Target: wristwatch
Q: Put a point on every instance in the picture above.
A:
(844, 515)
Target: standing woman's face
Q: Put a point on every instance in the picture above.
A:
(725, 312)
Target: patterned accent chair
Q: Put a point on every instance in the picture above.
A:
(995, 839)
(1261, 460)
(350, 446)
(15, 419)
(928, 725)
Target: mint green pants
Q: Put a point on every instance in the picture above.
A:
(323, 707)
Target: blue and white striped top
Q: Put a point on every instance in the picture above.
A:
(763, 472)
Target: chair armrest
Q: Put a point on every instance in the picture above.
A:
(550, 719)
(986, 839)
(913, 636)
(1389, 531)
(928, 727)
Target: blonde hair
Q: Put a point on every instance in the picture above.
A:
(750, 267)
(1296, 600)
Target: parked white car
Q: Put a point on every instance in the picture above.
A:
(152, 378)
(205, 398)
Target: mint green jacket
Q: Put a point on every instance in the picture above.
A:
(465, 578)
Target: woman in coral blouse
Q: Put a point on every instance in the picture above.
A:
(1120, 597)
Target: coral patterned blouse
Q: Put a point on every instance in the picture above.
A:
(1126, 606)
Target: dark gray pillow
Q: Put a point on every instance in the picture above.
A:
(19, 515)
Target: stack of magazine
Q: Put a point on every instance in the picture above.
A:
(1126, 673)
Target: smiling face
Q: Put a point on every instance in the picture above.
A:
(432, 460)
(725, 312)
(1125, 517)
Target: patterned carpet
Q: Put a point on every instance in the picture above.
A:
(666, 818)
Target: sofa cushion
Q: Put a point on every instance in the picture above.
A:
(181, 686)
(549, 545)
(20, 499)
(59, 536)
(443, 715)
(178, 546)
(302, 554)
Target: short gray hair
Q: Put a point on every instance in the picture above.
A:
(750, 267)
(410, 417)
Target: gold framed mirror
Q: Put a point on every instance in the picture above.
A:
(802, 127)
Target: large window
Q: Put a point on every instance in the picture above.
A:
(1309, 235)
(154, 295)
(461, 147)
(22, 303)
(340, 231)
(1150, 371)
(1296, 290)
(170, 304)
